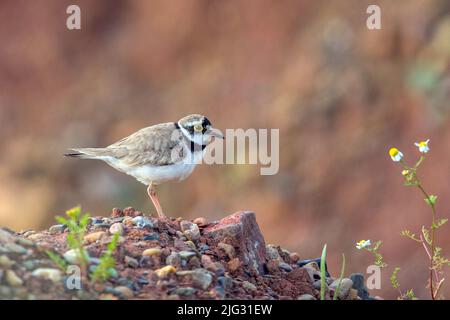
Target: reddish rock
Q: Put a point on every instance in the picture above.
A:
(272, 266)
(241, 231)
(293, 285)
(201, 222)
(294, 256)
(234, 264)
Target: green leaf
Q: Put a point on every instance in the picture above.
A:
(431, 200)
(409, 234)
(439, 223)
(410, 295)
(394, 279)
(61, 220)
(323, 273)
(59, 261)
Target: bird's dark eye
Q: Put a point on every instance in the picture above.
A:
(198, 128)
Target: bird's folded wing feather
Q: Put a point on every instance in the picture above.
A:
(156, 145)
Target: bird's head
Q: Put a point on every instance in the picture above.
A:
(198, 129)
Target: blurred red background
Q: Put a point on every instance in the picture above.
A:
(340, 94)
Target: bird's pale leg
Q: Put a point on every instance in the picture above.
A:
(152, 194)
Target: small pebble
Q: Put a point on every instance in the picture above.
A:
(225, 282)
(201, 278)
(186, 255)
(318, 284)
(346, 285)
(218, 292)
(191, 245)
(13, 248)
(93, 237)
(164, 272)
(184, 291)
(353, 295)
(294, 256)
(107, 296)
(173, 259)
(5, 262)
(234, 264)
(190, 230)
(101, 226)
(151, 237)
(142, 222)
(208, 263)
(272, 252)
(284, 266)
(249, 286)
(116, 228)
(229, 249)
(306, 297)
(57, 228)
(47, 273)
(313, 265)
(151, 252)
(73, 256)
(201, 222)
(131, 262)
(13, 279)
(126, 292)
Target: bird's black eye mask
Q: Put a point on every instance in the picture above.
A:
(205, 124)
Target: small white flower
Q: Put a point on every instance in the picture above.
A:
(423, 146)
(395, 154)
(363, 244)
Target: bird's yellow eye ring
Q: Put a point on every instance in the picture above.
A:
(198, 128)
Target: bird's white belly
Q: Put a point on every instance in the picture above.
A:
(158, 174)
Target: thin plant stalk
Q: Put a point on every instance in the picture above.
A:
(338, 289)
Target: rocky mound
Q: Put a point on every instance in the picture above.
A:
(165, 259)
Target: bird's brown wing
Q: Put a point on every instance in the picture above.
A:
(158, 145)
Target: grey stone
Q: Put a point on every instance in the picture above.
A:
(173, 259)
(184, 291)
(360, 286)
(225, 282)
(57, 228)
(201, 278)
(190, 230)
(306, 297)
(346, 285)
(284, 266)
(186, 255)
(13, 279)
(142, 222)
(131, 262)
(116, 228)
(73, 256)
(6, 262)
(272, 252)
(248, 286)
(318, 284)
(47, 273)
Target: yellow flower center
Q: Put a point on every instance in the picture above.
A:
(423, 144)
(405, 172)
(393, 152)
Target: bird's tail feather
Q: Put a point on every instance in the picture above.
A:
(87, 153)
